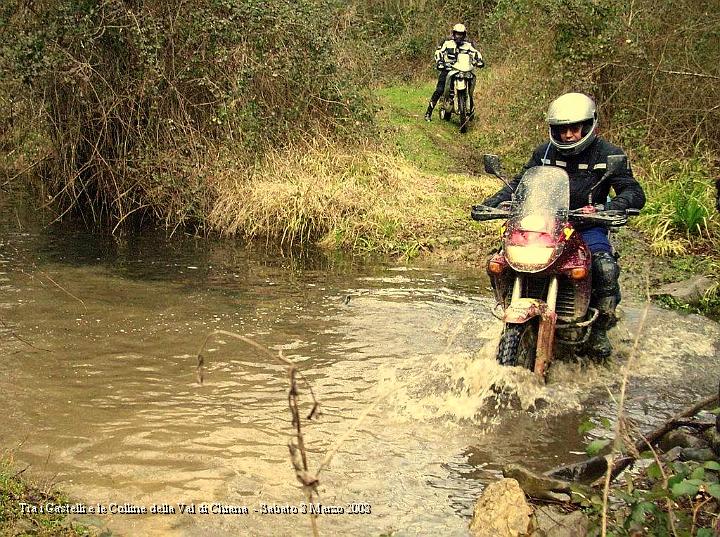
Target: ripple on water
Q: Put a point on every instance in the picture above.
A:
(114, 408)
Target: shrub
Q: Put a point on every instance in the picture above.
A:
(681, 202)
(139, 95)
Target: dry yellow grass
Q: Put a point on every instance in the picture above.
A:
(355, 197)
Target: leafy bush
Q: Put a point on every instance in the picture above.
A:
(642, 505)
(139, 95)
(663, 499)
(681, 202)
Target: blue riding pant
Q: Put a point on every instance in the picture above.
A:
(597, 239)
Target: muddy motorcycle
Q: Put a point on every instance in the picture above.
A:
(542, 274)
(457, 98)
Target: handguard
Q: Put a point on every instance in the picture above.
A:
(481, 213)
(609, 218)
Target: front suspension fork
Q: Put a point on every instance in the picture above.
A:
(546, 328)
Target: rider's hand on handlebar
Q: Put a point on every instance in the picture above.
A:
(591, 209)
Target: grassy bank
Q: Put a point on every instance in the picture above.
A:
(404, 194)
(18, 496)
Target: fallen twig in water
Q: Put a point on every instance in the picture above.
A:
(56, 284)
(298, 456)
(16, 336)
(296, 445)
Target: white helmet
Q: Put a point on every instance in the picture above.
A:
(460, 30)
(569, 109)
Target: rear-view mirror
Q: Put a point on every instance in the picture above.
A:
(616, 164)
(492, 164)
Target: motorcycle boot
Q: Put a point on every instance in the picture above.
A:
(429, 111)
(606, 295)
(598, 347)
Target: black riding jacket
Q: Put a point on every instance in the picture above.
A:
(584, 169)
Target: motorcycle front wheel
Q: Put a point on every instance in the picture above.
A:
(518, 345)
(462, 111)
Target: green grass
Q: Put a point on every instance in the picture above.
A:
(15, 490)
(677, 234)
(401, 117)
(438, 147)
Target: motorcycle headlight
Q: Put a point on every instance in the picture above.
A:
(530, 255)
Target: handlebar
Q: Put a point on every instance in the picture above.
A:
(609, 218)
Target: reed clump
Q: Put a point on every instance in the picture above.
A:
(680, 216)
(361, 197)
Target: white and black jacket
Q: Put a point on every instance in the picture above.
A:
(447, 53)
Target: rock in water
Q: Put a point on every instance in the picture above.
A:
(688, 291)
(698, 454)
(551, 522)
(586, 471)
(682, 438)
(501, 511)
(538, 486)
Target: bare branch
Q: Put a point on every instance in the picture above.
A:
(621, 403)
(664, 71)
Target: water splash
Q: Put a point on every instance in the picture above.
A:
(471, 388)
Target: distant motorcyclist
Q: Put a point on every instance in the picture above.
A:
(575, 147)
(445, 56)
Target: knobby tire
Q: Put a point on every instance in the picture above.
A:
(462, 110)
(518, 345)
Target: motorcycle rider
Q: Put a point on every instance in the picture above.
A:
(575, 146)
(445, 56)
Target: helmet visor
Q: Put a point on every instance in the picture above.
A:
(562, 135)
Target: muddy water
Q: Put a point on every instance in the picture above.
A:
(99, 339)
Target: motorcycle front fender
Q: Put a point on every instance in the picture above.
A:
(522, 310)
(460, 85)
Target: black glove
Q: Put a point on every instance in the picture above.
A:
(616, 204)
